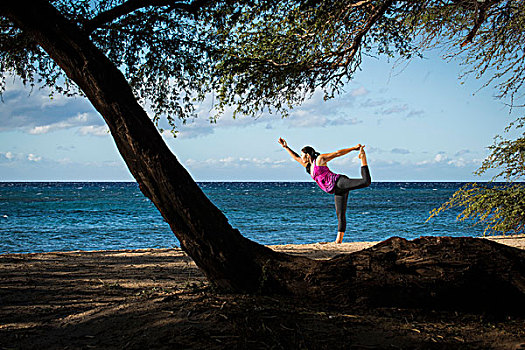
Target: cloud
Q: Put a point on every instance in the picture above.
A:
(442, 159)
(34, 112)
(19, 157)
(372, 149)
(399, 151)
(460, 162)
(93, 130)
(350, 160)
(12, 157)
(361, 91)
(415, 113)
(65, 148)
(344, 121)
(33, 158)
(236, 162)
(32, 167)
(303, 119)
(371, 103)
(383, 106)
(314, 112)
(389, 170)
(438, 158)
(393, 110)
(461, 152)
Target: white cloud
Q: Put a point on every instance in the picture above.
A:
(460, 162)
(400, 151)
(10, 156)
(346, 161)
(361, 91)
(94, 130)
(56, 100)
(314, 112)
(303, 119)
(44, 129)
(83, 121)
(34, 112)
(440, 157)
(236, 162)
(33, 158)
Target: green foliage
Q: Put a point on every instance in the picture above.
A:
(500, 208)
(485, 36)
(507, 155)
(272, 59)
(300, 46)
(269, 55)
(158, 48)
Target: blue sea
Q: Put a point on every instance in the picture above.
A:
(59, 216)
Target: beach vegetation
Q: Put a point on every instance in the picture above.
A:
(500, 207)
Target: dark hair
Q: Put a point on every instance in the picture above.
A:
(311, 151)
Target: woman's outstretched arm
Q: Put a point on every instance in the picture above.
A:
(326, 157)
(294, 155)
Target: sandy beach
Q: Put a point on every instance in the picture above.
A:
(157, 298)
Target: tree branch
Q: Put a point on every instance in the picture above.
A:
(133, 5)
(482, 16)
(353, 49)
(349, 52)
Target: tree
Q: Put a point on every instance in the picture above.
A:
(227, 258)
(157, 46)
(500, 207)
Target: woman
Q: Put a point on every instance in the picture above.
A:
(337, 184)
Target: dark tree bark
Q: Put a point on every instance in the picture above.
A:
(440, 271)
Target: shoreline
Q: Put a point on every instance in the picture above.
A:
(321, 250)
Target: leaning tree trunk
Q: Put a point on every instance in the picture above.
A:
(442, 271)
(226, 257)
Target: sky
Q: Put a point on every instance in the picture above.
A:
(418, 120)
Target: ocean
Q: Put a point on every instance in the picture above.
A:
(62, 216)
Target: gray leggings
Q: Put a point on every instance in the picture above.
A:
(342, 187)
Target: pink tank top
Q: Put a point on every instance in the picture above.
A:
(324, 177)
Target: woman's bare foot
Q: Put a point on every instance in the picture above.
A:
(362, 156)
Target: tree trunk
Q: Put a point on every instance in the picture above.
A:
(396, 272)
(226, 257)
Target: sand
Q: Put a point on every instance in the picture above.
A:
(157, 298)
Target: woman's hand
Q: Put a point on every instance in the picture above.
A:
(282, 142)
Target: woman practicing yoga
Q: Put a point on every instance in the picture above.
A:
(337, 184)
